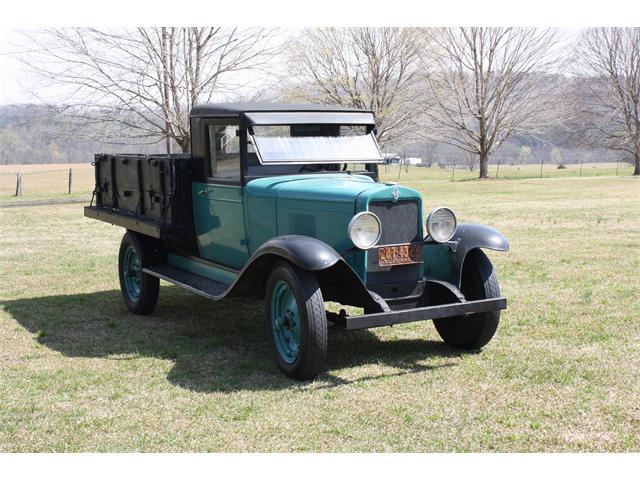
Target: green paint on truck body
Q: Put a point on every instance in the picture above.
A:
(232, 222)
(438, 263)
(319, 206)
(218, 212)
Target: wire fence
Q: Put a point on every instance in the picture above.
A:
(39, 181)
(19, 177)
(461, 170)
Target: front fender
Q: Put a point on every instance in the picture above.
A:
(473, 235)
(338, 281)
(444, 261)
(308, 253)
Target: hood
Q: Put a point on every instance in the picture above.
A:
(314, 205)
(340, 188)
(331, 188)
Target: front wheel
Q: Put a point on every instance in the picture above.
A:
(139, 290)
(296, 321)
(479, 282)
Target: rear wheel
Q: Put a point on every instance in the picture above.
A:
(296, 321)
(139, 290)
(479, 282)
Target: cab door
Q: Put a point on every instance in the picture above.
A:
(218, 202)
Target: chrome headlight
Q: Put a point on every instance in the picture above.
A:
(364, 230)
(441, 224)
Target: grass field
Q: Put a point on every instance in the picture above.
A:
(50, 181)
(78, 373)
(46, 181)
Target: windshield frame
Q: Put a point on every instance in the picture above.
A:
(313, 161)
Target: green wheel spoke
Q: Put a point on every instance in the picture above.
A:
(132, 274)
(285, 322)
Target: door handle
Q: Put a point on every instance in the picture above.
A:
(202, 192)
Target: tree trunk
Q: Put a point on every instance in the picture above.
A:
(636, 170)
(185, 144)
(484, 165)
(166, 92)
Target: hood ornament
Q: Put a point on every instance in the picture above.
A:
(395, 193)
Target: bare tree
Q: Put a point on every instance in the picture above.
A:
(470, 160)
(488, 83)
(609, 61)
(524, 154)
(143, 82)
(9, 143)
(369, 68)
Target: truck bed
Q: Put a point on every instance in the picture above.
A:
(149, 194)
(126, 220)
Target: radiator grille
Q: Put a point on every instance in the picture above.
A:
(400, 224)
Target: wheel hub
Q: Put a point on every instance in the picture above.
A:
(132, 273)
(284, 322)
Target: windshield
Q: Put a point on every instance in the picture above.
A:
(284, 144)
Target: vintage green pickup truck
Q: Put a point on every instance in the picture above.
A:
(283, 202)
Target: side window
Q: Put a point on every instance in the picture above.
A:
(224, 150)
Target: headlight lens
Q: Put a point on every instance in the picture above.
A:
(364, 230)
(441, 224)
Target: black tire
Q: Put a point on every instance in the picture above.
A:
(479, 282)
(313, 321)
(149, 286)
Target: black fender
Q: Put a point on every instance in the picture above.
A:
(338, 281)
(307, 253)
(467, 237)
(470, 236)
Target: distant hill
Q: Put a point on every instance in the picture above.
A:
(38, 134)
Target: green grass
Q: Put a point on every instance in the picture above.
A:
(508, 172)
(79, 373)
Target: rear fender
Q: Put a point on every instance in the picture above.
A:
(444, 261)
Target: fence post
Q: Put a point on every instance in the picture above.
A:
(18, 184)
(541, 165)
(581, 162)
(70, 180)
(617, 165)
(453, 170)
(498, 169)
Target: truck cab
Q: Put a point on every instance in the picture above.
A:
(284, 202)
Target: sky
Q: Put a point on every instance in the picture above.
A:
(17, 87)
(11, 90)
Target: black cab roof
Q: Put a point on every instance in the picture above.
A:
(264, 113)
(237, 108)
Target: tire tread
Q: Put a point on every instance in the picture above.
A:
(464, 332)
(313, 357)
(149, 285)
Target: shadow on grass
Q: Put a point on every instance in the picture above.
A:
(215, 346)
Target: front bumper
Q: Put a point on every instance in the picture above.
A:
(434, 312)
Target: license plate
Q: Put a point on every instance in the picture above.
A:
(399, 254)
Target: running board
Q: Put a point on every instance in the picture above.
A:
(206, 287)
